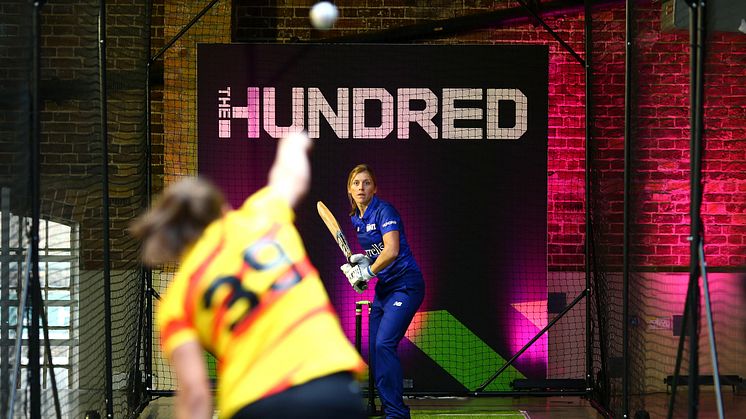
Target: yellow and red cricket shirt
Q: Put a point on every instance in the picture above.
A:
(248, 294)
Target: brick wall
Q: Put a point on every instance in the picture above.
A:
(71, 149)
(661, 139)
(661, 115)
(70, 122)
(180, 80)
(71, 146)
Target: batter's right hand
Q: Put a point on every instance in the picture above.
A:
(359, 259)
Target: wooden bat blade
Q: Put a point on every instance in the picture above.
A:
(331, 223)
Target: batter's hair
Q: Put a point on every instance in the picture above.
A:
(360, 168)
(177, 219)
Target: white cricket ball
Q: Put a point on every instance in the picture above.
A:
(323, 15)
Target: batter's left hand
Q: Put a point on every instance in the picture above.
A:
(358, 276)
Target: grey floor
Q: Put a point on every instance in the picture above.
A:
(534, 407)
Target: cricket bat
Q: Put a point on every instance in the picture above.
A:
(333, 226)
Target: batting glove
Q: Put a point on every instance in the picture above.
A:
(360, 259)
(357, 276)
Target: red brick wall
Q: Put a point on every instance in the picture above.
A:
(662, 145)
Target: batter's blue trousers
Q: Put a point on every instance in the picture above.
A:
(394, 306)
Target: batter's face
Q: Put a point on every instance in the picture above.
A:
(362, 189)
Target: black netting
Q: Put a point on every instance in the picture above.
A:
(73, 267)
(174, 127)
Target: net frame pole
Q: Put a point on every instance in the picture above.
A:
(19, 332)
(677, 367)
(147, 274)
(710, 329)
(552, 33)
(628, 115)
(33, 282)
(35, 196)
(50, 361)
(696, 81)
(5, 328)
(689, 317)
(697, 35)
(588, 44)
(452, 26)
(103, 109)
(183, 30)
(528, 344)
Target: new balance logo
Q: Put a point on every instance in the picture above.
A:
(397, 303)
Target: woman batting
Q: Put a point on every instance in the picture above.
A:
(400, 288)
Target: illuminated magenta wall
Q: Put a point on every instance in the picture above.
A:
(661, 138)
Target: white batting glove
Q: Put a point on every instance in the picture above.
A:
(357, 276)
(360, 259)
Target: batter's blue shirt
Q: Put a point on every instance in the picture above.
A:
(381, 217)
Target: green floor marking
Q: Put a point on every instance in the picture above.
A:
(459, 352)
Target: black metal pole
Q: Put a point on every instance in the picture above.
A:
(467, 23)
(5, 350)
(552, 33)
(690, 320)
(105, 192)
(183, 30)
(50, 363)
(679, 355)
(23, 307)
(147, 274)
(697, 20)
(35, 196)
(588, 32)
(627, 196)
(710, 329)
